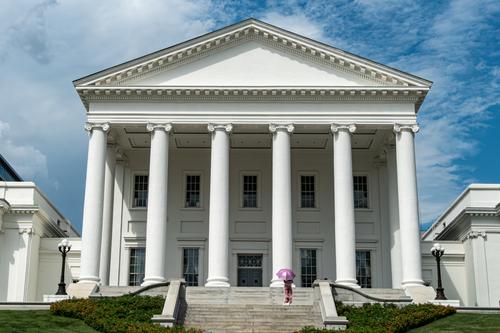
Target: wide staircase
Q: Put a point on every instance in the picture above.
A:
(246, 309)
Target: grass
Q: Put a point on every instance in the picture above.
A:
(38, 321)
(463, 322)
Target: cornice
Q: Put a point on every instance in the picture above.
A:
(251, 30)
(29, 209)
(250, 94)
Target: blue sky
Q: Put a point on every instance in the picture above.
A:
(44, 45)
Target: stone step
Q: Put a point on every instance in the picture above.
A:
(246, 295)
(236, 318)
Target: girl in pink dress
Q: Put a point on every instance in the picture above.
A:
(288, 292)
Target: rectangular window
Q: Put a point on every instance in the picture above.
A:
(190, 265)
(360, 191)
(308, 268)
(364, 268)
(307, 191)
(140, 191)
(193, 191)
(136, 268)
(249, 191)
(249, 270)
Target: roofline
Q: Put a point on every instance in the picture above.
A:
(470, 187)
(154, 53)
(4, 161)
(148, 56)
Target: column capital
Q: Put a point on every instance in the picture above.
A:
(225, 127)
(167, 127)
(273, 128)
(89, 127)
(398, 128)
(343, 127)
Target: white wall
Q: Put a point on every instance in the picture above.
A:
(49, 268)
(453, 270)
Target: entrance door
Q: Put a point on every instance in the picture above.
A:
(250, 270)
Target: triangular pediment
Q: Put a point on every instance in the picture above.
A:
(253, 64)
(248, 54)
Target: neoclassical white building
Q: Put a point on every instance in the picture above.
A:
(249, 149)
(30, 228)
(227, 157)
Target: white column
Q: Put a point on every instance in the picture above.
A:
(218, 230)
(345, 236)
(282, 201)
(408, 205)
(156, 224)
(395, 240)
(107, 214)
(93, 203)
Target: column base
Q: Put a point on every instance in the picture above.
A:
(412, 283)
(218, 282)
(153, 280)
(348, 283)
(277, 284)
(89, 279)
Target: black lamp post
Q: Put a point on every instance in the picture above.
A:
(64, 247)
(438, 251)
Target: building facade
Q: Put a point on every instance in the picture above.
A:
(470, 232)
(30, 228)
(227, 157)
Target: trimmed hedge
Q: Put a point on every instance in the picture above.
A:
(124, 314)
(387, 318)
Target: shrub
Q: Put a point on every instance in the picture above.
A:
(125, 314)
(386, 318)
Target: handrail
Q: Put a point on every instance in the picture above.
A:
(151, 286)
(373, 298)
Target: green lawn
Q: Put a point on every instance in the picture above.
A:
(39, 321)
(463, 322)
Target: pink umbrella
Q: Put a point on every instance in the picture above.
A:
(285, 274)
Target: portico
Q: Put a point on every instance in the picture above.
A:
(251, 141)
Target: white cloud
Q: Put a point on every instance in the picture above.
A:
(50, 43)
(27, 160)
(298, 23)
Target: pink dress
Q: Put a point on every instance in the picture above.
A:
(288, 291)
